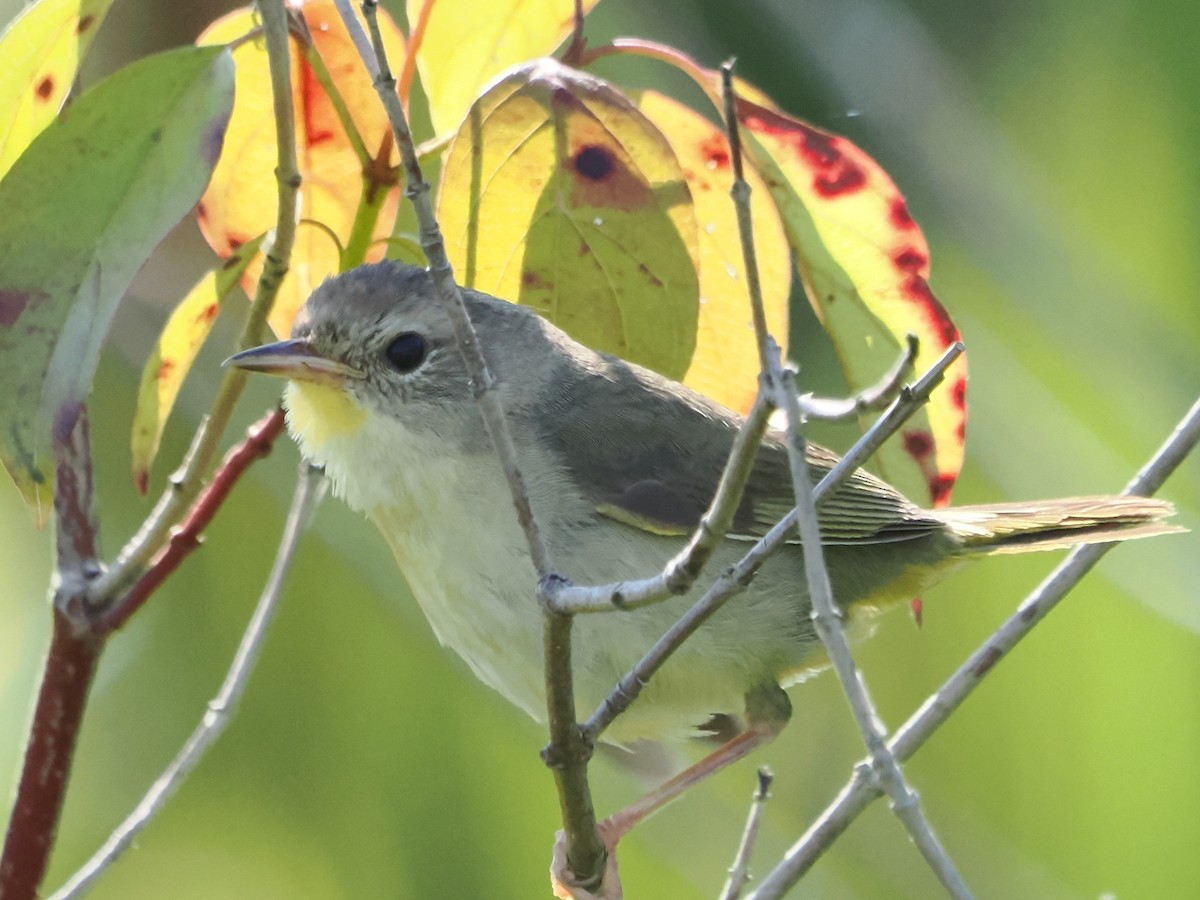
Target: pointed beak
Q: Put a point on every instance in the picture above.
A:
(295, 359)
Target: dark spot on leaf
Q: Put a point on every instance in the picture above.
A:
(654, 280)
(594, 163)
(910, 260)
(317, 113)
(85, 22)
(714, 151)
(213, 141)
(918, 610)
(940, 487)
(919, 444)
(201, 212)
(917, 289)
(156, 135)
(208, 313)
(164, 370)
(898, 213)
(834, 173)
(531, 280)
(45, 88)
(959, 393)
(14, 303)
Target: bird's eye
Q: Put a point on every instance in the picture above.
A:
(406, 352)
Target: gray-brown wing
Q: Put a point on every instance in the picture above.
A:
(649, 452)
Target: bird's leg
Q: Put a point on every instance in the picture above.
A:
(767, 711)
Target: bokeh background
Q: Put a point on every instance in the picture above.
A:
(1048, 152)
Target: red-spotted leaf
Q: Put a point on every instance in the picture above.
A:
(41, 50)
(83, 207)
(558, 193)
(865, 265)
(171, 359)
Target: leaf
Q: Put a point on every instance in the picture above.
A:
(171, 359)
(557, 192)
(457, 62)
(241, 199)
(865, 265)
(83, 207)
(41, 50)
(725, 365)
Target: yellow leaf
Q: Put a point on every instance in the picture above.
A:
(241, 198)
(558, 192)
(865, 265)
(467, 43)
(41, 50)
(725, 365)
(172, 357)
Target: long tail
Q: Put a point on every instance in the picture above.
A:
(1056, 524)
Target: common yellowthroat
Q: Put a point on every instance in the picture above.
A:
(620, 463)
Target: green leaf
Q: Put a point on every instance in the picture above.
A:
(82, 209)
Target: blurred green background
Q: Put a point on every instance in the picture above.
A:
(1048, 152)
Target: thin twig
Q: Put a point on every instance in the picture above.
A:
(186, 483)
(877, 396)
(567, 753)
(68, 671)
(221, 709)
(739, 872)
(826, 616)
(861, 788)
(737, 578)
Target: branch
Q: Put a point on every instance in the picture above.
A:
(826, 616)
(877, 396)
(188, 481)
(567, 753)
(860, 790)
(68, 671)
(739, 872)
(309, 489)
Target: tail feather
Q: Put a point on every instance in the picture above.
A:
(1057, 524)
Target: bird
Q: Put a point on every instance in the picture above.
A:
(620, 464)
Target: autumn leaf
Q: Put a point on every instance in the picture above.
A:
(171, 359)
(559, 194)
(41, 50)
(457, 62)
(865, 265)
(84, 206)
(241, 199)
(725, 364)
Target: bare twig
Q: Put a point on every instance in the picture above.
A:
(221, 709)
(736, 579)
(877, 396)
(825, 614)
(567, 753)
(862, 789)
(68, 671)
(739, 872)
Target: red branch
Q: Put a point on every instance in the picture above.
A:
(185, 537)
(61, 701)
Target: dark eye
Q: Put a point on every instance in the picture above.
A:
(406, 351)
